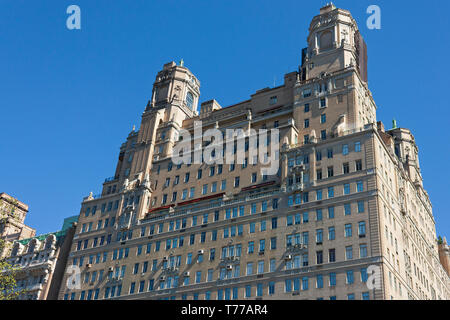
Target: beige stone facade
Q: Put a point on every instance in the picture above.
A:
(345, 217)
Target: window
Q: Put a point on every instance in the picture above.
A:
(359, 186)
(323, 134)
(350, 278)
(319, 236)
(306, 123)
(251, 247)
(330, 192)
(360, 206)
(348, 230)
(348, 253)
(330, 212)
(319, 281)
(330, 171)
(330, 153)
(306, 109)
(288, 285)
(274, 223)
(190, 100)
(306, 139)
(358, 146)
(331, 233)
(332, 279)
(323, 102)
(305, 283)
(345, 149)
(362, 228)
(248, 291)
(236, 182)
(249, 268)
(319, 174)
(319, 257)
(323, 118)
(347, 188)
(358, 165)
(332, 255)
(345, 168)
(363, 250)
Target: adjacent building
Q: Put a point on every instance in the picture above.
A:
(345, 216)
(12, 221)
(41, 262)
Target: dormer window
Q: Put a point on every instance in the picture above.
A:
(189, 100)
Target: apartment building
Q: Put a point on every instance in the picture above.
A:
(344, 217)
(40, 262)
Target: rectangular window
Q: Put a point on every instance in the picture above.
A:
(319, 257)
(347, 188)
(359, 186)
(360, 206)
(330, 192)
(345, 149)
(348, 230)
(319, 281)
(332, 279)
(330, 171)
(348, 253)
(331, 233)
(331, 212)
(306, 123)
(332, 255)
(350, 278)
(358, 165)
(323, 134)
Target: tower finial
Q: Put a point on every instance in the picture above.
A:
(181, 62)
(394, 124)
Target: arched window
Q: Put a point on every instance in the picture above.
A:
(32, 245)
(51, 239)
(189, 100)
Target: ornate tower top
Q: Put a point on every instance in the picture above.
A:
(176, 86)
(334, 43)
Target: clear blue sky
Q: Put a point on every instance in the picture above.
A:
(68, 99)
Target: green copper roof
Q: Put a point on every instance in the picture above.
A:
(58, 234)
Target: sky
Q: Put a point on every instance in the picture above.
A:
(69, 98)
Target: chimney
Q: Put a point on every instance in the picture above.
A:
(380, 126)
